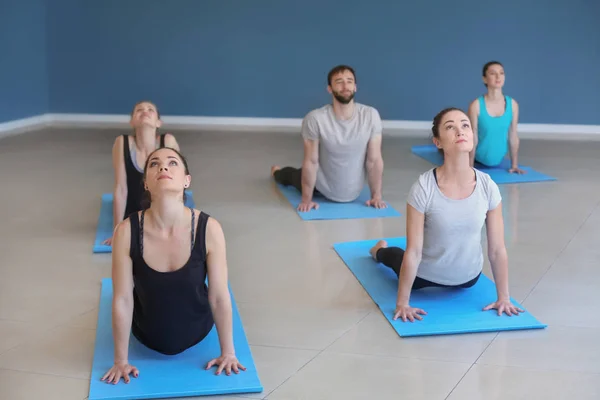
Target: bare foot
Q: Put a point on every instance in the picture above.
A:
(274, 169)
(381, 244)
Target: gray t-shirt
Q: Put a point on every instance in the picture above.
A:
(452, 252)
(342, 149)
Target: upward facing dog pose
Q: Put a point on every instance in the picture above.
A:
(129, 154)
(447, 207)
(342, 144)
(494, 118)
(161, 258)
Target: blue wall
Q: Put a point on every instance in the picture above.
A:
(23, 68)
(236, 58)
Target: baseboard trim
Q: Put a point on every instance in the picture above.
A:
(395, 128)
(24, 125)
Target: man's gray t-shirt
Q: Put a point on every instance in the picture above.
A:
(452, 252)
(342, 149)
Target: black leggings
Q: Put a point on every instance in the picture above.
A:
(290, 176)
(392, 257)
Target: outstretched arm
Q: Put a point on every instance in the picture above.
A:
(499, 262)
(513, 139)
(412, 258)
(374, 166)
(473, 117)
(310, 165)
(120, 184)
(122, 304)
(220, 298)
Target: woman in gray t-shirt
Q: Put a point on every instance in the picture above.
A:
(447, 208)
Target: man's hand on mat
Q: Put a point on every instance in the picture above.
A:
(376, 202)
(118, 371)
(307, 206)
(517, 170)
(408, 313)
(107, 242)
(227, 363)
(504, 306)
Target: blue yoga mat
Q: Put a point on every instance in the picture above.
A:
(161, 376)
(449, 310)
(499, 174)
(332, 210)
(104, 229)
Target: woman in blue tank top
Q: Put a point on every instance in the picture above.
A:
(129, 155)
(161, 259)
(494, 118)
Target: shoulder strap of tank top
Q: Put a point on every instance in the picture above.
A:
(202, 233)
(126, 154)
(193, 230)
(482, 107)
(162, 140)
(135, 232)
(508, 103)
(141, 234)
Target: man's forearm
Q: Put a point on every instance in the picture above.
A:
(375, 177)
(309, 177)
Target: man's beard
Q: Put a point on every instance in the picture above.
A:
(343, 99)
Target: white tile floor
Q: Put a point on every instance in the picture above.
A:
(314, 332)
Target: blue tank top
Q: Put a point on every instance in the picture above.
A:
(493, 134)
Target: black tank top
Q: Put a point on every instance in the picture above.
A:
(171, 312)
(135, 184)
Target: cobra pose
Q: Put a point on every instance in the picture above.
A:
(447, 208)
(161, 258)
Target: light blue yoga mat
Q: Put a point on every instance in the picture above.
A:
(331, 210)
(499, 174)
(449, 310)
(162, 376)
(104, 229)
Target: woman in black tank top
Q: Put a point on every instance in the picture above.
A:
(162, 257)
(129, 157)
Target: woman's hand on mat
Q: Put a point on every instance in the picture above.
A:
(118, 371)
(504, 306)
(108, 242)
(227, 363)
(307, 206)
(517, 170)
(377, 203)
(408, 313)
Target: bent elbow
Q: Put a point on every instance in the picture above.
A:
(311, 162)
(414, 253)
(496, 255)
(374, 163)
(120, 191)
(122, 304)
(218, 299)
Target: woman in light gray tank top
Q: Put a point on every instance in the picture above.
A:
(447, 208)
